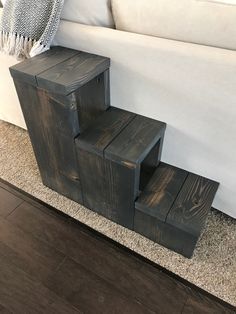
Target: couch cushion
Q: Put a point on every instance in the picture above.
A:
(208, 22)
(90, 12)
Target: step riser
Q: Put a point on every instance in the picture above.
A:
(164, 234)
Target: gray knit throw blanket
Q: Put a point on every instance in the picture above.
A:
(27, 27)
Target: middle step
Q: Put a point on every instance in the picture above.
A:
(117, 156)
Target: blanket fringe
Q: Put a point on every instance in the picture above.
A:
(19, 46)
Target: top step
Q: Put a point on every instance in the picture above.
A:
(60, 70)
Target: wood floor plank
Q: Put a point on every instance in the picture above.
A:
(8, 202)
(122, 271)
(35, 257)
(95, 277)
(90, 293)
(200, 304)
(21, 294)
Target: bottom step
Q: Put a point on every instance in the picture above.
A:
(173, 208)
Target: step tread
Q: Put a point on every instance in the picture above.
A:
(67, 76)
(178, 198)
(28, 70)
(104, 130)
(135, 141)
(161, 191)
(191, 207)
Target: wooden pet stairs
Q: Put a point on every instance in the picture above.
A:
(106, 158)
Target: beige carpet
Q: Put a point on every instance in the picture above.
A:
(213, 266)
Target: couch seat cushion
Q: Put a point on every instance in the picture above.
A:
(90, 12)
(207, 22)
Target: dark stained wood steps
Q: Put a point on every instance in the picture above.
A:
(112, 154)
(173, 208)
(103, 157)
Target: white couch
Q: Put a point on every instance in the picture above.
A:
(189, 86)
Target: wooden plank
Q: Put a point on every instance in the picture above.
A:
(33, 256)
(63, 112)
(164, 234)
(159, 195)
(145, 225)
(90, 293)
(93, 181)
(28, 70)
(121, 186)
(20, 293)
(8, 202)
(199, 303)
(192, 205)
(49, 146)
(176, 239)
(129, 274)
(108, 188)
(135, 142)
(104, 130)
(149, 164)
(74, 113)
(92, 99)
(73, 73)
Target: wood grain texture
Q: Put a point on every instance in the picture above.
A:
(191, 207)
(20, 293)
(38, 259)
(136, 141)
(104, 130)
(92, 100)
(68, 76)
(173, 208)
(30, 68)
(198, 303)
(159, 195)
(146, 225)
(110, 187)
(90, 293)
(61, 93)
(126, 273)
(50, 146)
(164, 234)
(62, 112)
(97, 273)
(150, 163)
(8, 202)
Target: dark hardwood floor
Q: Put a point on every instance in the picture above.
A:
(50, 263)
